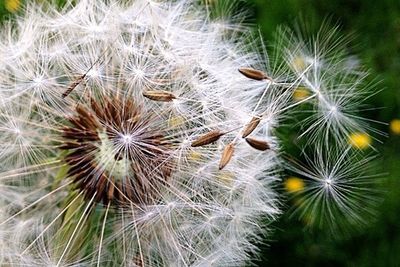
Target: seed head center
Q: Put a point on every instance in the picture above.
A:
(118, 151)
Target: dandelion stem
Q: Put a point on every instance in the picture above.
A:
(102, 233)
(84, 215)
(51, 223)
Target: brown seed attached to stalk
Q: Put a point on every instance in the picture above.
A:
(73, 86)
(257, 143)
(251, 126)
(254, 74)
(226, 156)
(207, 138)
(161, 96)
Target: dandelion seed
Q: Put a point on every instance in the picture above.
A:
(257, 144)
(159, 96)
(340, 194)
(73, 86)
(207, 138)
(226, 155)
(253, 74)
(337, 90)
(251, 126)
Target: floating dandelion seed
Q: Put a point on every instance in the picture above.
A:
(337, 189)
(145, 134)
(336, 88)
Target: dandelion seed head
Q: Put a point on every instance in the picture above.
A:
(144, 80)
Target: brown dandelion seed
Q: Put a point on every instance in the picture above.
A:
(73, 86)
(226, 155)
(161, 96)
(254, 74)
(82, 77)
(207, 138)
(257, 143)
(251, 126)
(116, 150)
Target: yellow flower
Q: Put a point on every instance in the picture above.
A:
(360, 140)
(226, 177)
(308, 219)
(301, 93)
(294, 184)
(194, 156)
(299, 63)
(12, 5)
(176, 121)
(395, 126)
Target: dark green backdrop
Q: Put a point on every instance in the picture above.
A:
(375, 26)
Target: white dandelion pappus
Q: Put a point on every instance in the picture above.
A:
(340, 187)
(337, 84)
(340, 190)
(101, 105)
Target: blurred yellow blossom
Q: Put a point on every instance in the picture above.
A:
(395, 126)
(301, 93)
(176, 121)
(299, 63)
(12, 5)
(294, 184)
(226, 177)
(194, 156)
(360, 140)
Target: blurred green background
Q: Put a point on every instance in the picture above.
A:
(375, 26)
